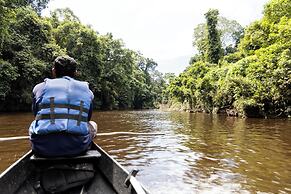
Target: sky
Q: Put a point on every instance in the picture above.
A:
(159, 29)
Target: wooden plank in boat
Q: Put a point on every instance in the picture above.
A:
(90, 154)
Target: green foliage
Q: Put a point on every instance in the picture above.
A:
(230, 34)
(256, 37)
(29, 49)
(200, 39)
(66, 14)
(255, 80)
(213, 48)
(276, 9)
(118, 77)
(8, 74)
(37, 5)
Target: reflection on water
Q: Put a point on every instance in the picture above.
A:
(199, 153)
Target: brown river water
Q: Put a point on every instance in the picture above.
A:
(199, 153)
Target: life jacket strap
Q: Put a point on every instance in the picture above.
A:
(80, 112)
(61, 116)
(69, 106)
(52, 110)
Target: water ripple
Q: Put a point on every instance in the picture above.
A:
(199, 153)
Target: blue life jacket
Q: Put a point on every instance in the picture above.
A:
(63, 106)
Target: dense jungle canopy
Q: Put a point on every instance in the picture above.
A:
(246, 70)
(119, 77)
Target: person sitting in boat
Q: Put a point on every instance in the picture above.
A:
(62, 107)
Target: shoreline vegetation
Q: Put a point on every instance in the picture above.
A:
(237, 71)
(228, 111)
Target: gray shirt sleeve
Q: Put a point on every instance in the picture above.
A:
(36, 93)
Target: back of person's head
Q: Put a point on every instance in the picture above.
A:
(65, 66)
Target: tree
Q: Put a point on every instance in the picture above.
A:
(200, 39)
(27, 54)
(230, 32)
(213, 49)
(169, 77)
(59, 15)
(8, 74)
(274, 10)
(37, 5)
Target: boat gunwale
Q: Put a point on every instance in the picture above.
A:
(138, 187)
(15, 163)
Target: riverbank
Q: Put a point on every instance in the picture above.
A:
(245, 111)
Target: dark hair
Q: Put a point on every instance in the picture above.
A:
(65, 66)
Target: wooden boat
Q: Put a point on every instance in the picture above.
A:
(109, 176)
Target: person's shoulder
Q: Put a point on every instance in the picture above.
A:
(81, 82)
(38, 87)
(87, 85)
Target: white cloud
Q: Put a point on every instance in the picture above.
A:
(160, 29)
